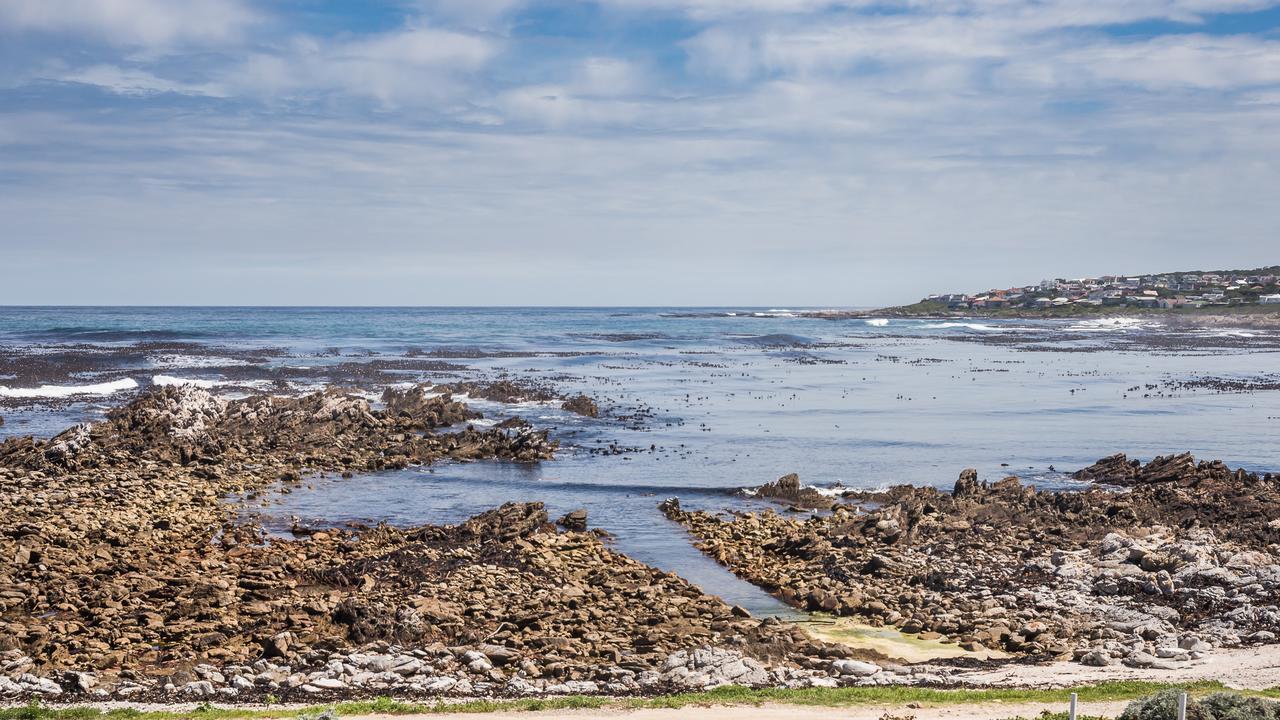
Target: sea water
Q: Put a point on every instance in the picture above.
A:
(700, 402)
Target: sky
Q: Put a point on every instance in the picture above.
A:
(627, 152)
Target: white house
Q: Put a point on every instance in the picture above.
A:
(1270, 299)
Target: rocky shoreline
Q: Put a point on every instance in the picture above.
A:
(1184, 559)
(128, 575)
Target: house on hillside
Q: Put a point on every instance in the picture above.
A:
(1270, 299)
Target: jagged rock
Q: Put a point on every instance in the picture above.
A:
(789, 490)
(575, 520)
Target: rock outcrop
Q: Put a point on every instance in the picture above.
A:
(1186, 559)
(126, 571)
(787, 489)
(582, 405)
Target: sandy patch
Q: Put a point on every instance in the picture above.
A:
(1256, 668)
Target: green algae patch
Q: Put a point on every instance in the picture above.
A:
(887, 641)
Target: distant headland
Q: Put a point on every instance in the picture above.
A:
(1194, 293)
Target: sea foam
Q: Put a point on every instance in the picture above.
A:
(62, 391)
(1110, 325)
(166, 380)
(971, 326)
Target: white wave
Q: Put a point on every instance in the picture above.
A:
(834, 491)
(1110, 325)
(971, 326)
(192, 361)
(877, 322)
(62, 391)
(534, 403)
(521, 404)
(169, 380)
(774, 314)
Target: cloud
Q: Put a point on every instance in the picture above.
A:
(146, 23)
(802, 146)
(1163, 63)
(1085, 12)
(132, 81)
(946, 53)
(694, 219)
(408, 66)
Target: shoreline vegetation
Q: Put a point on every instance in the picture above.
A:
(907, 698)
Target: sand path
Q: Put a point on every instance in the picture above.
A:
(1255, 668)
(980, 711)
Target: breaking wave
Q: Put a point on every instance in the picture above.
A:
(63, 391)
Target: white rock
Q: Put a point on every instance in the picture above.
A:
(199, 688)
(439, 684)
(1193, 644)
(407, 665)
(1096, 658)
(521, 686)
(82, 681)
(582, 687)
(1139, 659)
(855, 668)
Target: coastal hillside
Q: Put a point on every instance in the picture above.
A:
(1234, 291)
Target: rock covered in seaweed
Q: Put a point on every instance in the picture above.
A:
(581, 405)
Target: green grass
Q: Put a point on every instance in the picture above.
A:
(902, 695)
(824, 697)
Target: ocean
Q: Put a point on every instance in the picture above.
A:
(700, 402)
